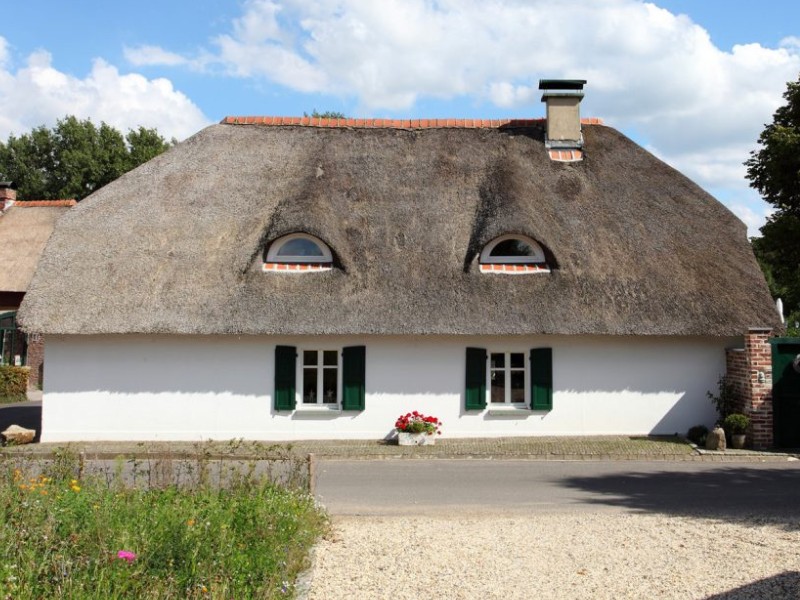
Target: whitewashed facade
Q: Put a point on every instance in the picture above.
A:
(170, 387)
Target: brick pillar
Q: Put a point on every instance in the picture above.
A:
(749, 369)
(759, 372)
(35, 359)
(8, 194)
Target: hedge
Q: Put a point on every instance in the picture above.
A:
(13, 383)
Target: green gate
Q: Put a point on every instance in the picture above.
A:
(13, 343)
(786, 391)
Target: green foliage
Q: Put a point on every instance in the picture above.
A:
(725, 400)
(778, 252)
(328, 114)
(74, 158)
(13, 383)
(735, 423)
(697, 434)
(774, 170)
(65, 537)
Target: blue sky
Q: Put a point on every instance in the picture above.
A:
(694, 81)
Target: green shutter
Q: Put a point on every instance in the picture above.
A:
(354, 374)
(542, 379)
(285, 375)
(475, 395)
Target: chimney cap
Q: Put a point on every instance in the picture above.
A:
(8, 185)
(561, 84)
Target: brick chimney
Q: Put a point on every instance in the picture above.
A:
(563, 98)
(8, 194)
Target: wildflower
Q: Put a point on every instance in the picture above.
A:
(190, 522)
(126, 555)
(75, 488)
(204, 589)
(17, 474)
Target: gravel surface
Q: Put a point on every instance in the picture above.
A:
(591, 555)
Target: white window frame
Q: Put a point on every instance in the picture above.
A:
(507, 404)
(274, 248)
(487, 259)
(300, 404)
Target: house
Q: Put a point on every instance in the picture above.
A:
(25, 227)
(294, 278)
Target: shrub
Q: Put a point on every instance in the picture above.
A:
(725, 399)
(698, 434)
(735, 423)
(13, 383)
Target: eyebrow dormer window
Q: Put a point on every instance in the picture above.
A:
(513, 254)
(298, 252)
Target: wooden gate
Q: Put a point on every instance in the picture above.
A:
(786, 391)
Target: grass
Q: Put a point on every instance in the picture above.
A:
(61, 537)
(12, 398)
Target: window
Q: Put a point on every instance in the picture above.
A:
(320, 383)
(507, 378)
(513, 254)
(329, 378)
(514, 379)
(298, 252)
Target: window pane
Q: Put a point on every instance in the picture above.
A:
(498, 360)
(329, 387)
(517, 386)
(329, 357)
(309, 357)
(300, 247)
(512, 248)
(498, 386)
(517, 360)
(310, 386)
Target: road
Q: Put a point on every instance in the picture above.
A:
(498, 487)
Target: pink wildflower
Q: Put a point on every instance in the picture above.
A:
(126, 555)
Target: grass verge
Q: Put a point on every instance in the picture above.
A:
(94, 537)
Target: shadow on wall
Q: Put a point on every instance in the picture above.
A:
(782, 585)
(28, 415)
(734, 494)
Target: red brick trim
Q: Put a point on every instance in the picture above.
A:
(297, 267)
(39, 203)
(566, 155)
(514, 269)
(394, 123)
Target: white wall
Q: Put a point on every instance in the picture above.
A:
(198, 387)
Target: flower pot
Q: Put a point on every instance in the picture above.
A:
(737, 440)
(405, 438)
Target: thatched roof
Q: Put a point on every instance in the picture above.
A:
(176, 245)
(24, 230)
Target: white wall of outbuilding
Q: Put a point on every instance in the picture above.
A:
(138, 387)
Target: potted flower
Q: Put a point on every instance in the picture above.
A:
(736, 426)
(416, 429)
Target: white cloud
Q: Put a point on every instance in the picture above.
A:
(39, 94)
(699, 107)
(141, 56)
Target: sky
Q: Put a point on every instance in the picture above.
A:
(693, 81)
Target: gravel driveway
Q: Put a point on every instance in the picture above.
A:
(575, 556)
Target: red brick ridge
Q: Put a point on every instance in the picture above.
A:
(40, 203)
(394, 123)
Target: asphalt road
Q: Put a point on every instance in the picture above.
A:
(442, 487)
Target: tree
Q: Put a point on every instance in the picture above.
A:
(328, 114)
(774, 170)
(74, 158)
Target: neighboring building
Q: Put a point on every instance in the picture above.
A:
(288, 278)
(25, 227)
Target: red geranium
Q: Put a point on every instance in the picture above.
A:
(416, 422)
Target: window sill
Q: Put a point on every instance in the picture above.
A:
(509, 411)
(318, 410)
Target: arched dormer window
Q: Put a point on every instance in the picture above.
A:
(513, 253)
(298, 252)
